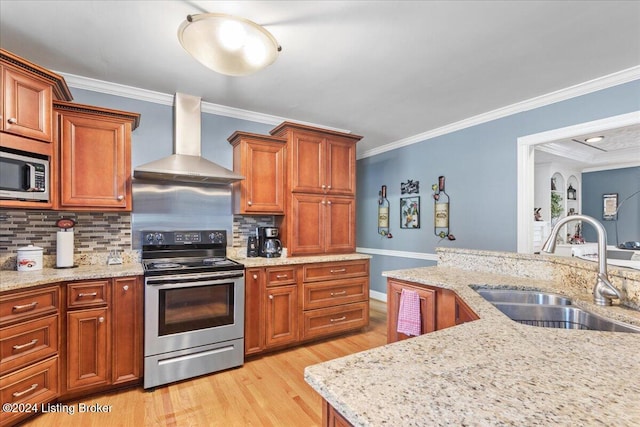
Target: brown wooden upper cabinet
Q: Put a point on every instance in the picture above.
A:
(261, 160)
(321, 161)
(28, 91)
(95, 157)
(321, 186)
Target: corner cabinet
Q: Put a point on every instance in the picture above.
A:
(321, 185)
(94, 160)
(439, 308)
(261, 160)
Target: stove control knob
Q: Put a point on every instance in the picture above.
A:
(159, 237)
(216, 237)
(149, 238)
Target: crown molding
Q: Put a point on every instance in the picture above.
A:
(614, 79)
(109, 88)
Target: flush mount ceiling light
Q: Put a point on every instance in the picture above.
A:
(594, 139)
(228, 44)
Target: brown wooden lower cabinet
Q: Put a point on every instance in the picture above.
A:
(68, 340)
(439, 308)
(103, 334)
(331, 417)
(290, 304)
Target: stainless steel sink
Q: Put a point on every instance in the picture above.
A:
(563, 317)
(523, 297)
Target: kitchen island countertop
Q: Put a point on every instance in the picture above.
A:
(492, 371)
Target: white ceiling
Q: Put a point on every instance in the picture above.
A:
(387, 70)
(619, 148)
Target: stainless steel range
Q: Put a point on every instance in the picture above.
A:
(194, 305)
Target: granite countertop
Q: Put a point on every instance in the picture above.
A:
(11, 280)
(270, 262)
(492, 371)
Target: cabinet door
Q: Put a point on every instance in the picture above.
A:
(463, 313)
(340, 166)
(126, 355)
(95, 162)
(87, 352)
(340, 224)
(306, 233)
(427, 309)
(28, 108)
(264, 178)
(307, 163)
(281, 315)
(254, 325)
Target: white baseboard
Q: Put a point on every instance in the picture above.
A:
(379, 296)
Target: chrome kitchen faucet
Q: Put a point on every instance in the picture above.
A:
(603, 291)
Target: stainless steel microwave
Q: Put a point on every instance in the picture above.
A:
(23, 176)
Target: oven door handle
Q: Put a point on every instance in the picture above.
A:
(187, 280)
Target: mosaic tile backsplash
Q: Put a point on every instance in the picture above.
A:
(95, 235)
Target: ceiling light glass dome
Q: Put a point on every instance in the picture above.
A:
(228, 44)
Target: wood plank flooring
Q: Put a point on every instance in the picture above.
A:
(266, 391)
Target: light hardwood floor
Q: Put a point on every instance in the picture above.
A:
(265, 391)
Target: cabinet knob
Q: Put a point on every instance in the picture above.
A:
(101, 319)
(121, 197)
(324, 186)
(270, 296)
(125, 288)
(250, 203)
(255, 277)
(12, 121)
(328, 202)
(328, 187)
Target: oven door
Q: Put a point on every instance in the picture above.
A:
(191, 310)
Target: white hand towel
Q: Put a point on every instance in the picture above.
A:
(409, 320)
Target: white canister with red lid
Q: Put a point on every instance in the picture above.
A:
(29, 258)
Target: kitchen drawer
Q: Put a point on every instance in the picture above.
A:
(87, 294)
(335, 292)
(278, 276)
(20, 306)
(335, 270)
(326, 321)
(28, 342)
(31, 386)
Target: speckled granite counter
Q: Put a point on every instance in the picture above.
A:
(491, 371)
(12, 280)
(269, 262)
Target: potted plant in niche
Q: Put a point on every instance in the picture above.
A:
(556, 207)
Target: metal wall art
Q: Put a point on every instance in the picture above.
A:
(410, 187)
(410, 212)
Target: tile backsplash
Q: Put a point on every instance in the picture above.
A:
(94, 233)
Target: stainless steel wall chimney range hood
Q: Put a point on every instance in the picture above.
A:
(187, 164)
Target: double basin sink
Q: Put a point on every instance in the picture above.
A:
(549, 310)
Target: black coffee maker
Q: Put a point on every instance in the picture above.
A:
(269, 246)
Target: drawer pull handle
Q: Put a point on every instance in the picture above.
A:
(12, 121)
(25, 307)
(341, 270)
(20, 347)
(29, 390)
(92, 295)
(339, 319)
(282, 276)
(337, 294)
